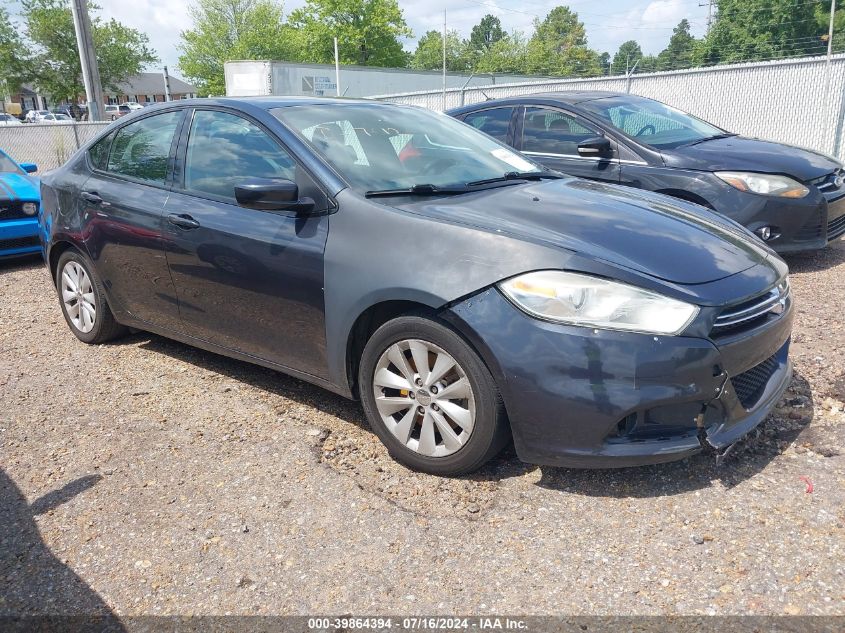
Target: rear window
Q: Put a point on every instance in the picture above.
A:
(494, 122)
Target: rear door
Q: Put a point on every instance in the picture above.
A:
(247, 280)
(122, 204)
(551, 136)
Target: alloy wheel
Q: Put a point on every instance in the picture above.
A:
(424, 398)
(78, 297)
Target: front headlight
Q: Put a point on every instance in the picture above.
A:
(579, 299)
(764, 184)
(30, 208)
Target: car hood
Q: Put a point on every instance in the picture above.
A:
(18, 187)
(737, 153)
(653, 234)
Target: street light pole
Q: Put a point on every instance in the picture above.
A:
(88, 60)
(444, 60)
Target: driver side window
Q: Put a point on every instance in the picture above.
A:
(554, 132)
(224, 150)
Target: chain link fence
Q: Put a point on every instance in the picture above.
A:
(48, 145)
(795, 101)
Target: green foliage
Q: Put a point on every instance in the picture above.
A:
(751, 30)
(625, 58)
(230, 30)
(823, 20)
(559, 46)
(429, 53)
(368, 32)
(14, 56)
(121, 51)
(508, 55)
(679, 53)
(486, 33)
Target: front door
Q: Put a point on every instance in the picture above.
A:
(247, 280)
(551, 137)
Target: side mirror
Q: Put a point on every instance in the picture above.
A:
(272, 194)
(29, 168)
(598, 146)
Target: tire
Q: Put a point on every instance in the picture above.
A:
(415, 434)
(89, 293)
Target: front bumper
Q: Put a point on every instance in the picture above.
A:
(801, 225)
(19, 237)
(588, 398)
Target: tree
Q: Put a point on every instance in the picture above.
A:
(627, 55)
(508, 55)
(121, 51)
(559, 46)
(604, 61)
(429, 53)
(753, 30)
(368, 32)
(14, 56)
(231, 29)
(486, 33)
(679, 52)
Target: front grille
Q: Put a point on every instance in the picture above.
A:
(749, 385)
(19, 242)
(751, 313)
(12, 210)
(827, 183)
(836, 227)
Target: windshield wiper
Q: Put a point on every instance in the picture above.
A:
(710, 138)
(517, 175)
(419, 190)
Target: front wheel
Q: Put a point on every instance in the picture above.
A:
(83, 300)
(430, 398)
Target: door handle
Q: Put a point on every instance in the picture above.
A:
(183, 221)
(92, 197)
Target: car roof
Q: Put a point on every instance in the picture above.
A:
(271, 102)
(568, 97)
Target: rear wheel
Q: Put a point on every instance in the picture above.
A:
(430, 398)
(83, 300)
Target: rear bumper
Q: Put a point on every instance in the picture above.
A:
(19, 237)
(587, 398)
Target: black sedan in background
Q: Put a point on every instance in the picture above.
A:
(792, 198)
(393, 254)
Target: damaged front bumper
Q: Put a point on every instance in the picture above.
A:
(588, 398)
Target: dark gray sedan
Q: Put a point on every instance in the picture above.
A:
(395, 255)
(792, 198)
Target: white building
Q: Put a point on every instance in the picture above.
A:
(256, 78)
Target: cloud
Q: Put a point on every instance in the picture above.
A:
(664, 12)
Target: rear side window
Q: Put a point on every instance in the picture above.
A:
(99, 152)
(224, 150)
(493, 122)
(140, 149)
(553, 132)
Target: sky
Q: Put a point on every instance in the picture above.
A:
(608, 22)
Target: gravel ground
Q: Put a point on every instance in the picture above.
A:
(147, 477)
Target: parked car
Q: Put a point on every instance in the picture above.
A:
(8, 119)
(134, 105)
(56, 118)
(461, 291)
(69, 109)
(792, 198)
(19, 201)
(114, 112)
(35, 116)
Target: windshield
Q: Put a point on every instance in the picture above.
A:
(377, 147)
(7, 165)
(651, 122)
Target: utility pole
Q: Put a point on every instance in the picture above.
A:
(88, 60)
(830, 33)
(167, 96)
(336, 69)
(444, 60)
(709, 6)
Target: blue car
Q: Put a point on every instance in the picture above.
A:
(19, 201)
